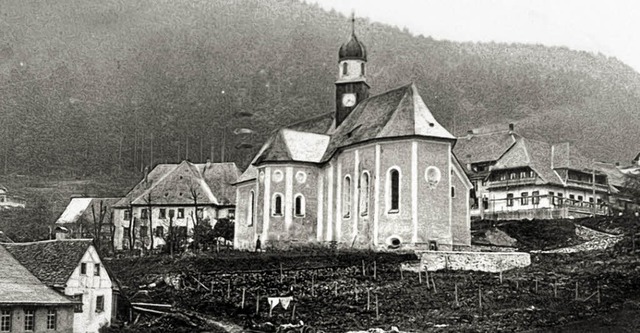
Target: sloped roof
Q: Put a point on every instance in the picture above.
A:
(484, 147)
(319, 124)
(566, 156)
(52, 262)
(173, 183)
(530, 153)
(19, 286)
(290, 145)
(81, 207)
(398, 112)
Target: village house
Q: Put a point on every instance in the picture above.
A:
(176, 195)
(72, 268)
(81, 217)
(478, 151)
(28, 305)
(377, 173)
(535, 179)
(9, 201)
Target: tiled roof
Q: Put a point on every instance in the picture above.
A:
(19, 286)
(530, 153)
(319, 124)
(566, 156)
(52, 262)
(290, 145)
(173, 183)
(483, 147)
(81, 207)
(398, 112)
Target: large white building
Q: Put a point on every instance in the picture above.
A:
(177, 195)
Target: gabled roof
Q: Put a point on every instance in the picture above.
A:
(484, 147)
(290, 145)
(319, 124)
(52, 262)
(567, 157)
(19, 286)
(173, 183)
(395, 113)
(530, 153)
(81, 207)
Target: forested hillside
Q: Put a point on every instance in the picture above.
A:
(96, 86)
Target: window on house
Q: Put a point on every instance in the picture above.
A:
(299, 206)
(580, 198)
(364, 194)
(485, 203)
(51, 319)
(523, 174)
(29, 319)
(144, 213)
(453, 192)
(572, 198)
(160, 231)
(83, 268)
(560, 200)
(394, 191)
(509, 199)
(99, 303)
(346, 197)
(532, 174)
(590, 199)
(552, 198)
(127, 215)
(503, 176)
(5, 320)
(162, 214)
(277, 205)
(536, 197)
(78, 307)
(524, 198)
(362, 69)
(144, 231)
(252, 203)
(180, 213)
(512, 175)
(96, 269)
(199, 212)
(344, 68)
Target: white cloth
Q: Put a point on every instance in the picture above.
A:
(273, 301)
(285, 301)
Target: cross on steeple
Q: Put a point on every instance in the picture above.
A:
(353, 23)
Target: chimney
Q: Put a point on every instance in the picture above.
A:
(146, 174)
(511, 127)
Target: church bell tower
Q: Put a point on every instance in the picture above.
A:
(351, 86)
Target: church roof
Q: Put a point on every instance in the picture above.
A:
(395, 113)
(352, 49)
(290, 145)
(173, 184)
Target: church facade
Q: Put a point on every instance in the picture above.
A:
(377, 173)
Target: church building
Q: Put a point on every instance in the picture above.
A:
(377, 173)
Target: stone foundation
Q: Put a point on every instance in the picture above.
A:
(473, 261)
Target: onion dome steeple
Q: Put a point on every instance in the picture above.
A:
(353, 48)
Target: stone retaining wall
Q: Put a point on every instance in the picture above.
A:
(473, 261)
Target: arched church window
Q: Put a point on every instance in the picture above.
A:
(362, 69)
(393, 190)
(346, 197)
(299, 208)
(252, 199)
(277, 208)
(364, 193)
(344, 68)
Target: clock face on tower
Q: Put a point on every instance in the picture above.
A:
(349, 100)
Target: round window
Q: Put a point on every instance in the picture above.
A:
(301, 176)
(432, 175)
(277, 176)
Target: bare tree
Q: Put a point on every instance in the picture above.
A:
(149, 202)
(98, 223)
(132, 228)
(194, 194)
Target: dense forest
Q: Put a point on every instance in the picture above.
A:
(90, 87)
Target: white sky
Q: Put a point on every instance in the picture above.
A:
(610, 27)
